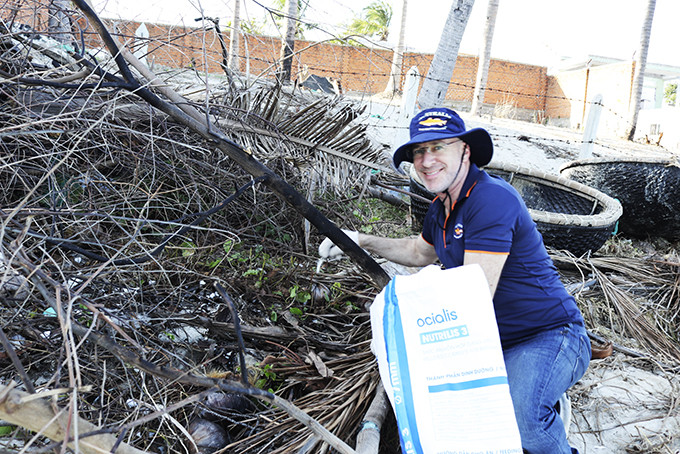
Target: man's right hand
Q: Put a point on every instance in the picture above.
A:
(329, 251)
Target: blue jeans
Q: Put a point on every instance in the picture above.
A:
(540, 370)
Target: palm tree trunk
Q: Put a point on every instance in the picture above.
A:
(394, 81)
(234, 37)
(485, 58)
(288, 44)
(640, 65)
(439, 75)
(58, 23)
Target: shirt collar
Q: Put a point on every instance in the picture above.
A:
(473, 175)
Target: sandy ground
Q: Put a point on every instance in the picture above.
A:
(621, 405)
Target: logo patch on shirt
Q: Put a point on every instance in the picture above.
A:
(458, 231)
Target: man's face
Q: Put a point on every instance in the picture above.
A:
(441, 164)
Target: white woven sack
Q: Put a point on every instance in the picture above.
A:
(440, 360)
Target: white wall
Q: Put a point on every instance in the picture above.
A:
(668, 119)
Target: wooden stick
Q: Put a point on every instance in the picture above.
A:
(368, 439)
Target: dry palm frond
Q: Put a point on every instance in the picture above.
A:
(634, 320)
(636, 298)
(339, 405)
(322, 137)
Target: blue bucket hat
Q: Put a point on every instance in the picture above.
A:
(442, 123)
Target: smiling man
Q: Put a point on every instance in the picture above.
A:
(479, 218)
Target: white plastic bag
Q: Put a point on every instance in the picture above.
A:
(440, 360)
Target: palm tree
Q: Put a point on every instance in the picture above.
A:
(288, 42)
(234, 37)
(640, 65)
(393, 83)
(58, 22)
(300, 24)
(438, 76)
(374, 22)
(485, 58)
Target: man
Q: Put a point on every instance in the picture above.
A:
(478, 218)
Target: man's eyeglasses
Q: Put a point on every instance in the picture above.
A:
(438, 146)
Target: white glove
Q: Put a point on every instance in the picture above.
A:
(329, 251)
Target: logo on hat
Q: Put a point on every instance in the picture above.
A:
(432, 122)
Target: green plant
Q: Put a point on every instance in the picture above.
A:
(299, 295)
(214, 263)
(228, 245)
(259, 273)
(336, 298)
(376, 217)
(83, 315)
(670, 93)
(6, 429)
(235, 255)
(187, 248)
(296, 311)
(266, 375)
(373, 22)
(351, 307)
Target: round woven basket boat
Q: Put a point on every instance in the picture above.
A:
(569, 215)
(648, 189)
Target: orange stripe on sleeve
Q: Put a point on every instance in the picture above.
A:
(487, 252)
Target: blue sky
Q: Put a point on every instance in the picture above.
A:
(530, 31)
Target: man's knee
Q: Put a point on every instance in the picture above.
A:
(538, 431)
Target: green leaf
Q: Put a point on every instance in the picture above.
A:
(296, 311)
(228, 246)
(214, 263)
(188, 249)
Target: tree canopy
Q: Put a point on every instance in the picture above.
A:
(373, 22)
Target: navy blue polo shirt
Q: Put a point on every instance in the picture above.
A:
(491, 217)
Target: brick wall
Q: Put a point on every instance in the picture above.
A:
(359, 69)
(365, 70)
(33, 14)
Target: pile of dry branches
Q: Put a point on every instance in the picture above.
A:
(143, 269)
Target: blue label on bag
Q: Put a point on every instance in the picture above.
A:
(444, 335)
(399, 373)
(471, 384)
